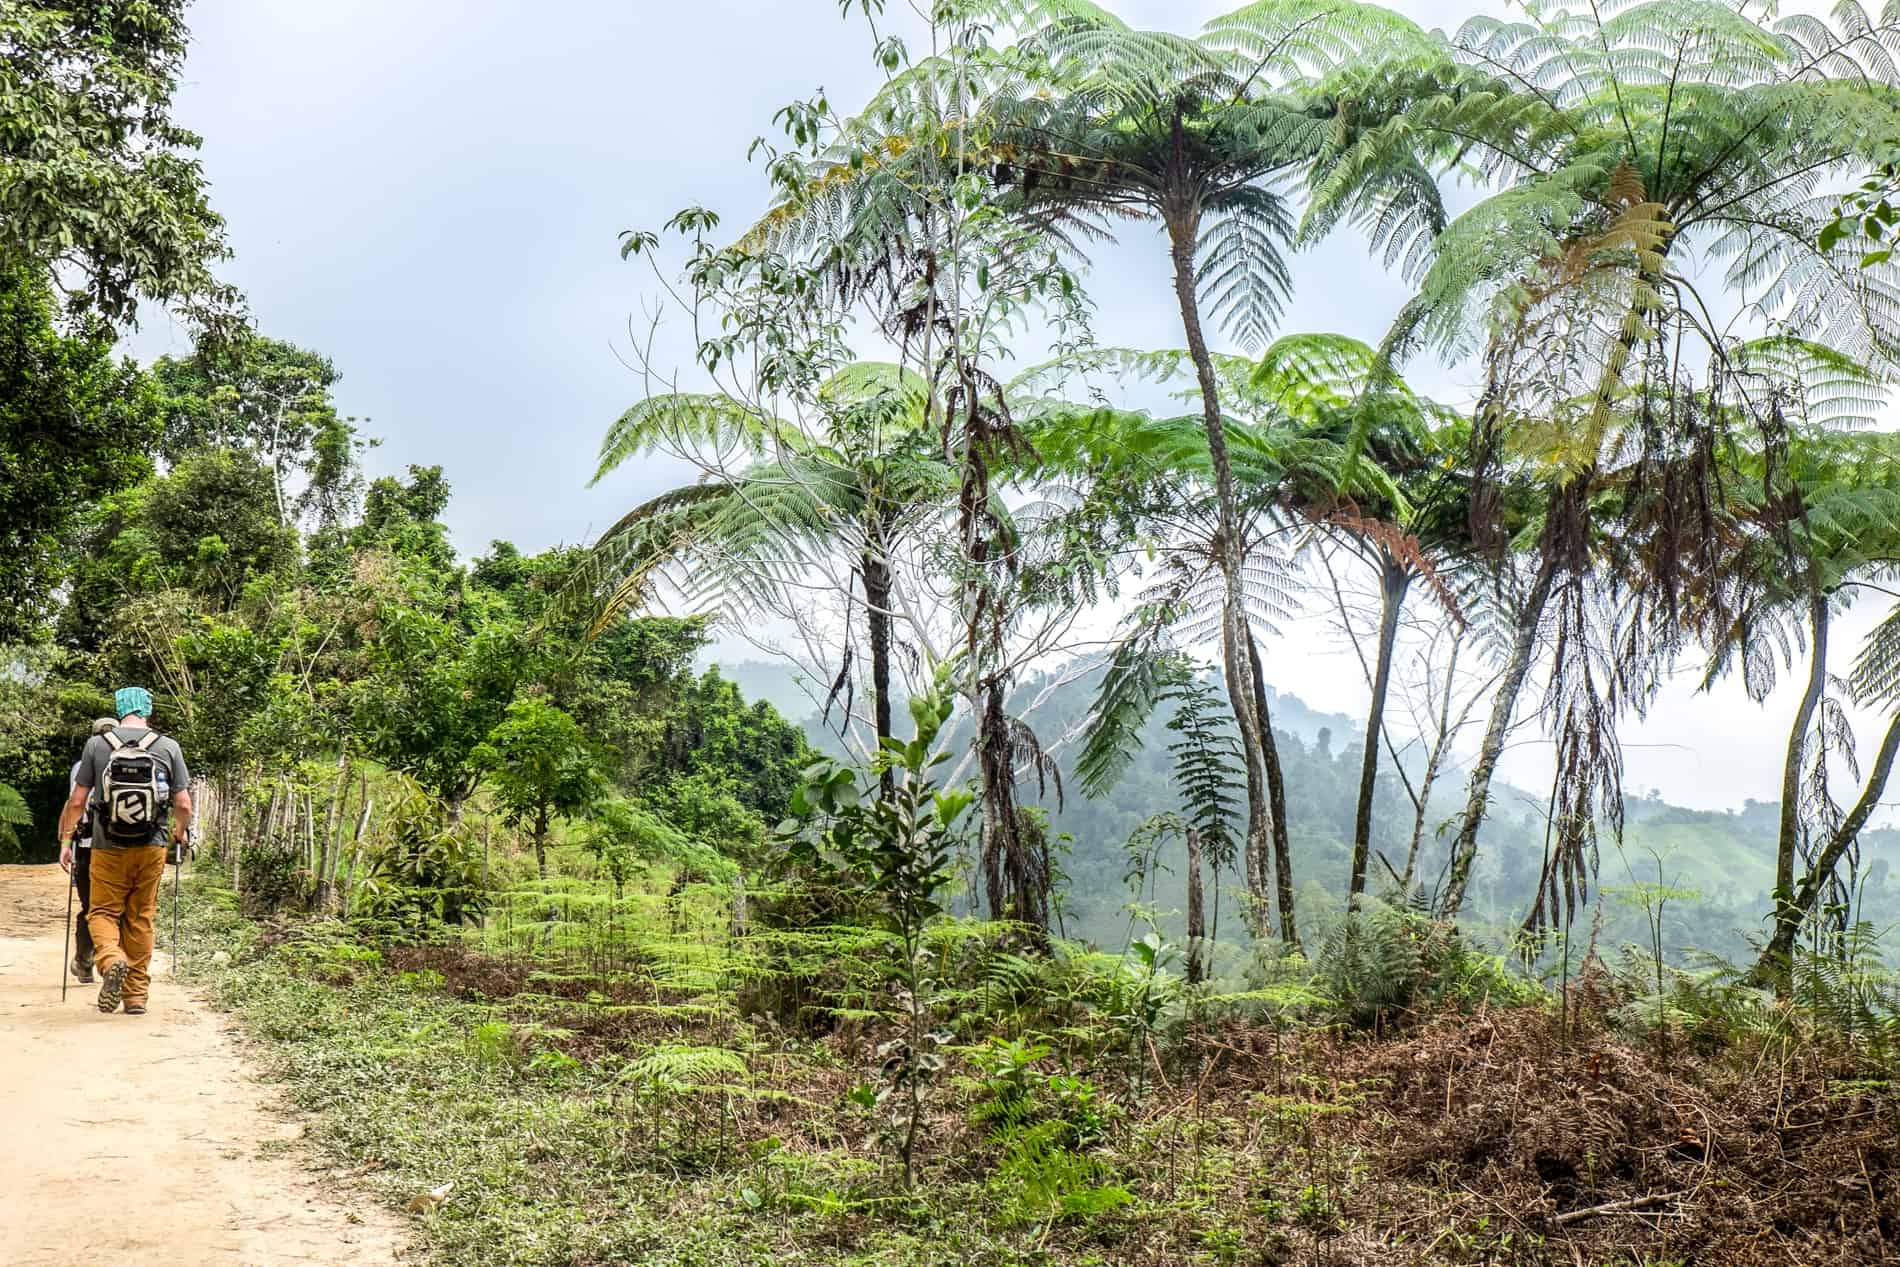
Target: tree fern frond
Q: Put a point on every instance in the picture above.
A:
(1241, 271)
(678, 1067)
(687, 424)
(1208, 771)
(1142, 668)
(1876, 675)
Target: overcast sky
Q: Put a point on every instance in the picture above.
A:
(431, 195)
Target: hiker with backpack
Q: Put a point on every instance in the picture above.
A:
(75, 858)
(139, 790)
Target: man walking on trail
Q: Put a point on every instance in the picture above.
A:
(140, 791)
(75, 857)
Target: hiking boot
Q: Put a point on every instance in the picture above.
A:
(112, 985)
(82, 972)
(135, 1009)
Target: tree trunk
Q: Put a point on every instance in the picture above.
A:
(356, 845)
(1776, 965)
(1015, 864)
(223, 820)
(1183, 219)
(336, 854)
(310, 837)
(1392, 586)
(541, 842)
(1788, 914)
(877, 613)
(265, 818)
(289, 818)
(1276, 803)
(1196, 912)
(326, 846)
(488, 854)
(1789, 836)
(1503, 707)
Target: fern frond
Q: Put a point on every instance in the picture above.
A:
(1140, 671)
(689, 425)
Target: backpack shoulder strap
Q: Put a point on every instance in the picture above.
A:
(113, 741)
(145, 744)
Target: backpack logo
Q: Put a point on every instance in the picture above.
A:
(130, 796)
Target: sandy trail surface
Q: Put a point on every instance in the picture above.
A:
(144, 1141)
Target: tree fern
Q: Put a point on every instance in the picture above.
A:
(842, 495)
(1141, 671)
(1207, 769)
(1726, 123)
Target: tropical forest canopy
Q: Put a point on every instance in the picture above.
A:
(1033, 804)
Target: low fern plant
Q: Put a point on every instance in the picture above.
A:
(1043, 1125)
(686, 1095)
(1384, 959)
(1372, 962)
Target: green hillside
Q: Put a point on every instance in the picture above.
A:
(1726, 858)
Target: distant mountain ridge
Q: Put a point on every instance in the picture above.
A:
(1726, 857)
(798, 699)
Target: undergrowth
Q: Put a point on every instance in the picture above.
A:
(608, 1081)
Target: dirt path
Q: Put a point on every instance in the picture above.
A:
(137, 1140)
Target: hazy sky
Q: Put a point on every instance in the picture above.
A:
(431, 193)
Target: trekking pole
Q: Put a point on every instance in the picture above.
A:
(65, 944)
(177, 870)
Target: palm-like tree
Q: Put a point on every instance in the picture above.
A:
(842, 499)
(1628, 145)
(1849, 534)
(1822, 502)
(1109, 122)
(1191, 134)
(1182, 608)
(780, 502)
(1406, 527)
(1297, 472)
(1632, 142)
(879, 219)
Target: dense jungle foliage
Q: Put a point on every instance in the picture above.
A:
(1039, 922)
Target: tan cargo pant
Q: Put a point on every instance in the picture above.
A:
(125, 884)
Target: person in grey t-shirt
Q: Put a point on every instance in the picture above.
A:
(126, 875)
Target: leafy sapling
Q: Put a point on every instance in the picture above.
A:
(897, 848)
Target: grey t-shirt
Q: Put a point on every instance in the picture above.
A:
(84, 838)
(91, 772)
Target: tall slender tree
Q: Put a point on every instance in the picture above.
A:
(1629, 148)
(1406, 527)
(783, 508)
(1191, 134)
(1290, 449)
(891, 215)
(1822, 501)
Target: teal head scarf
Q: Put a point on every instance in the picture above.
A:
(132, 699)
